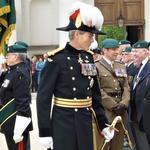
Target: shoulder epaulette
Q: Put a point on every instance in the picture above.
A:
(54, 51)
(89, 51)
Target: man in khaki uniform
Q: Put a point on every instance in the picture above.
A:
(115, 91)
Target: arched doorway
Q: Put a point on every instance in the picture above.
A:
(131, 11)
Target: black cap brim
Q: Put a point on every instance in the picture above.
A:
(71, 26)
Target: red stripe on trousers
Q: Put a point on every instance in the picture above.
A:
(20, 145)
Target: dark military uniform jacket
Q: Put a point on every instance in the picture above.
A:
(15, 84)
(114, 86)
(65, 76)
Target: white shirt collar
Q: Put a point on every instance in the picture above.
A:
(144, 61)
(143, 64)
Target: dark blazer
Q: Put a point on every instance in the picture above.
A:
(132, 70)
(141, 99)
(15, 83)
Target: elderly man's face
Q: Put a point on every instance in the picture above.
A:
(139, 54)
(127, 57)
(11, 58)
(84, 39)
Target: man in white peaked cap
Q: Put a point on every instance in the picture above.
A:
(70, 76)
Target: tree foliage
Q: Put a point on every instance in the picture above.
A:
(115, 32)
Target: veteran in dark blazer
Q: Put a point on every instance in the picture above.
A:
(140, 103)
(114, 88)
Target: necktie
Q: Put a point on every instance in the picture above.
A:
(137, 77)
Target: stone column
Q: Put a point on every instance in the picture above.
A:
(25, 22)
(147, 20)
(16, 32)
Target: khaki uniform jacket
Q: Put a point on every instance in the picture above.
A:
(112, 80)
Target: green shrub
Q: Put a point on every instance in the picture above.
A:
(115, 32)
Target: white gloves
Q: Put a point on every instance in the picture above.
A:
(108, 134)
(20, 126)
(46, 142)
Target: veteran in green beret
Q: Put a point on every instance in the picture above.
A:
(122, 45)
(115, 91)
(27, 60)
(127, 58)
(15, 96)
(140, 102)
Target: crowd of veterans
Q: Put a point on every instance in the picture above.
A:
(124, 77)
(89, 97)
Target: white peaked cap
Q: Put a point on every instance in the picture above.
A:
(84, 17)
(90, 15)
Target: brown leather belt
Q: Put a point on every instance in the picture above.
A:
(115, 94)
(71, 103)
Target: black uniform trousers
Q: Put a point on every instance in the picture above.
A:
(25, 144)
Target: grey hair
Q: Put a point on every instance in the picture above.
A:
(22, 56)
(71, 34)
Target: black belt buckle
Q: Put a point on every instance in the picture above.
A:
(115, 94)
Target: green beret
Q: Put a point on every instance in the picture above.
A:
(110, 43)
(141, 44)
(122, 42)
(22, 43)
(17, 49)
(128, 49)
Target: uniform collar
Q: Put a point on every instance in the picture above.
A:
(71, 49)
(15, 66)
(108, 61)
